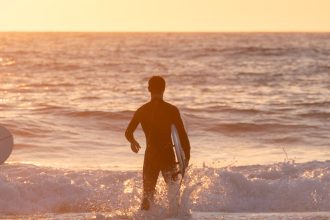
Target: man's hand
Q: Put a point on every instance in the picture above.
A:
(135, 146)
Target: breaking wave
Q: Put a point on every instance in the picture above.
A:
(281, 187)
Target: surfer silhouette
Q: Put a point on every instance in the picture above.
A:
(156, 118)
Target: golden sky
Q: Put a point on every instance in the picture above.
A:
(165, 15)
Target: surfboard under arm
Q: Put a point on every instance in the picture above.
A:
(180, 155)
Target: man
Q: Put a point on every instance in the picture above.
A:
(156, 118)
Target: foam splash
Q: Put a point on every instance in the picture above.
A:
(282, 187)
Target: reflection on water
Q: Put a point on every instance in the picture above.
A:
(68, 96)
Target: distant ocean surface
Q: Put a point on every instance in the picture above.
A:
(256, 107)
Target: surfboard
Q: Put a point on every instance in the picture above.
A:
(180, 156)
(6, 144)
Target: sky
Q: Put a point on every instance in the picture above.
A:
(165, 15)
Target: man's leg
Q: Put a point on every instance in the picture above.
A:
(150, 176)
(173, 191)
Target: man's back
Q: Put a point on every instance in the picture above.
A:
(156, 118)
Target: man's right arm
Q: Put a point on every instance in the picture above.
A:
(130, 130)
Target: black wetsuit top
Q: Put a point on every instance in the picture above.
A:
(156, 118)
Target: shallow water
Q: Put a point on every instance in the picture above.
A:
(194, 216)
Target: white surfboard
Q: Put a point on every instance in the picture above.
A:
(6, 144)
(180, 156)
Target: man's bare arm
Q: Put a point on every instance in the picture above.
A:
(129, 133)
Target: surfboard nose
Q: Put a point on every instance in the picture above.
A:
(6, 144)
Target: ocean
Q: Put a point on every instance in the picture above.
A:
(256, 107)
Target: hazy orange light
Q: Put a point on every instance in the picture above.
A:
(164, 15)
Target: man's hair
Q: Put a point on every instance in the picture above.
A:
(156, 84)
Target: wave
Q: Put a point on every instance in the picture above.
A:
(49, 108)
(119, 115)
(286, 140)
(320, 115)
(255, 51)
(314, 104)
(219, 109)
(42, 85)
(51, 66)
(66, 111)
(28, 128)
(262, 51)
(7, 61)
(253, 127)
(23, 146)
(281, 187)
(234, 51)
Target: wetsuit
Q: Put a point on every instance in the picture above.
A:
(156, 118)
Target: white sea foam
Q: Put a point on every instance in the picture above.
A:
(282, 187)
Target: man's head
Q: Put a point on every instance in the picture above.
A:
(156, 85)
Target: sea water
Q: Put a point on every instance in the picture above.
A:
(256, 107)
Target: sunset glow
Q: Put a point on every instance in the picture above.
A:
(164, 15)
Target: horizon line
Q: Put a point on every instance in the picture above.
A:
(192, 32)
